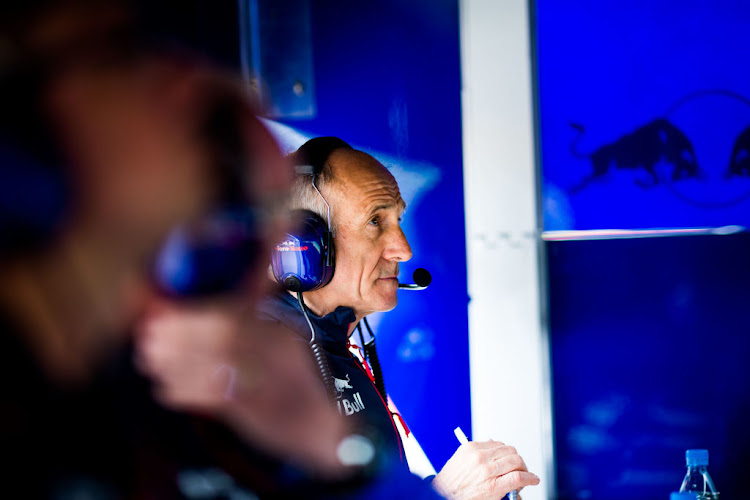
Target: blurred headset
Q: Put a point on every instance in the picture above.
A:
(305, 259)
(212, 254)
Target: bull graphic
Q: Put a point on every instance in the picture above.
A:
(340, 385)
(739, 163)
(643, 148)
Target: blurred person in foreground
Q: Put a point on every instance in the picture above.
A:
(358, 197)
(106, 143)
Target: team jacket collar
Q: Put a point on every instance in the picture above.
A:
(332, 330)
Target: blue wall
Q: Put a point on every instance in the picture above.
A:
(650, 347)
(387, 80)
(615, 67)
(648, 337)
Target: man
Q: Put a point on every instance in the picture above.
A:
(365, 211)
(127, 133)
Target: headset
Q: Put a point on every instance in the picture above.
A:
(305, 259)
(212, 254)
(209, 256)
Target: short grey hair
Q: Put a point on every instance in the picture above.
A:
(315, 176)
(305, 197)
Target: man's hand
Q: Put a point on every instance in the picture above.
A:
(481, 470)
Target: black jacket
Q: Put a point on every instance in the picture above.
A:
(355, 393)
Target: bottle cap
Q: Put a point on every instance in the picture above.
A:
(685, 495)
(696, 458)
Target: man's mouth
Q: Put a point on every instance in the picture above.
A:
(388, 279)
(392, 276)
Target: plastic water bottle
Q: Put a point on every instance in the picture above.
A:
(697, 480)
(685, 495)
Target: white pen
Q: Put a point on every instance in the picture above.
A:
(513, 495)
(460, 435)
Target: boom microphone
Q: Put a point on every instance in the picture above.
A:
(422, 279)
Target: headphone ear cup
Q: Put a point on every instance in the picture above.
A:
(304, 260)
(208, 257)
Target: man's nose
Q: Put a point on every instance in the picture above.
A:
(398, 248)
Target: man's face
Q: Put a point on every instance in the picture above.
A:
(366, 208)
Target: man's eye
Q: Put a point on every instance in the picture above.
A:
(374, 221)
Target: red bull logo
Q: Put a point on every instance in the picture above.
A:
(290, 247)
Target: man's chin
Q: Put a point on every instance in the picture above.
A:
(388, 308)
(383, 297)
(387, 304)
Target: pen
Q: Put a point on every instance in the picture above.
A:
(460, 435)
(513, 495)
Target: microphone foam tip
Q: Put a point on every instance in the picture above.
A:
(422, 277)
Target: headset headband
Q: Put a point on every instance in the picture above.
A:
(314, 153)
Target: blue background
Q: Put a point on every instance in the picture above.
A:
(648, 337)
(650, 349)
(614, 66)
(387, 80)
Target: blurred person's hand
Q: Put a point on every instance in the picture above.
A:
(216, 360)
(483, 470)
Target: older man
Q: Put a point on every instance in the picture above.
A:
(364, 204)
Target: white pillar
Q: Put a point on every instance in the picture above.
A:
(510, 390)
